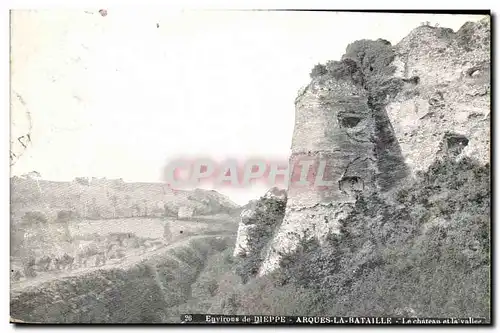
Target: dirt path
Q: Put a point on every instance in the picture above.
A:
(123, 263)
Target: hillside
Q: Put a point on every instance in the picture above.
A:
(423, 250)
(103, 198)
(137, 291)
(65, 227)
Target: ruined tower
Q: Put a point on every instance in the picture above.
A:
(334, 126)
(379, 116)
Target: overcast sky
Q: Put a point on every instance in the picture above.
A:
(119, 96)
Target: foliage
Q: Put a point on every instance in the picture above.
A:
(66, 215)
(34, 217)
(318, 70)
(82, 181)
(207, 283)
(269, 212)
(365, 63)
(405, 251)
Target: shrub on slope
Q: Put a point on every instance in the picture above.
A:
(426, 248)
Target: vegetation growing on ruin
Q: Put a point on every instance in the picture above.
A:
(365, 63)
(466, 36)
(426, 248)
(269, 213)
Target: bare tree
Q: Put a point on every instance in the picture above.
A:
(128, 200)
(114, 199)
(96, 212)
(137, 209)
(145, 207)
(36, 176)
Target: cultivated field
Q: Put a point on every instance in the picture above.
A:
(103, 243)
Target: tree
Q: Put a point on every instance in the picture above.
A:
(136, 209)
(34, 217)
(36, 176)
(114, 199)
(79, 198)
(167, 233)
(82, 181)
(96, 213)
(145, 207)
(318, 70)
(128, 200)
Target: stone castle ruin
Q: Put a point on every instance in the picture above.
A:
(378, 116)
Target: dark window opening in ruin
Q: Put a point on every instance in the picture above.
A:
(474, 115)
(457, 140)
(351, 184)
(412, 80)
(473, 72)
(477, 70)
(349, 121)
(455, 143)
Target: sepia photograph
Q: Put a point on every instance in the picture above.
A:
(250, 167)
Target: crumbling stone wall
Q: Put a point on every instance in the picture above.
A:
(334, 126)
(446, 94)
(382, 114)
(341, 120)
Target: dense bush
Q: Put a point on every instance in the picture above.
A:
(207, 284)
(214, 278)
(268, 215)
(366, 63)
(83, 251)
(82, 181)
(426, 248)
(66, 215)
(34, 217)
(318, 70)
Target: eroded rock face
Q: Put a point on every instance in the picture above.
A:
(444, 105)
(334, 127)
(258, 223)
(380, 115)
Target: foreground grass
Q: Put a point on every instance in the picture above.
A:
(423, 251)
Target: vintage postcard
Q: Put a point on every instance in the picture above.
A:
(250, 167)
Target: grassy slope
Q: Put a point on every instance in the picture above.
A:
(423, 250)
(138, 292)
(116, 292)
